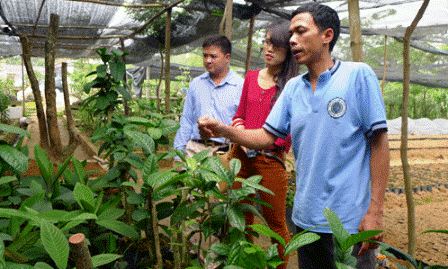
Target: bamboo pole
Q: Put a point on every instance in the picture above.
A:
(76, 27)
(167, 62)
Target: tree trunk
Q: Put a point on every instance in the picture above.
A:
(412, 239)
(41, 119)
(80, 251)
(355, 31)
(225, 27)
(125, 84)
(167, 62)
(73, 142)
(50, 92)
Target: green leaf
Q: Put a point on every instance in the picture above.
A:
(169, 126)
(268, 232)
(235, 166)
(119, 227)
(125, 93)
(143, 140)
(342, 266)
(55, 243)
(42, 265)
(150, 167)
(155, 133)
(44, 164)
(102, 102)
(220, 249)
(7, 179)
(185, 210)
(103, 259)
(336, 226)
(299, 241)
(236, 217)
(13, 129)
(101, 71)
(358, 237)
(140, 121)
(14, 158)
(84, 196)
(117, 70)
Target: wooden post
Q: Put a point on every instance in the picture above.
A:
(249, 44)
(125, 84)
(68, 110)
(50, 92)
(167, 61)
(355, 30)
(226, 24)
(80, 251)
(23, 90)
(383, 84)
(148, 76)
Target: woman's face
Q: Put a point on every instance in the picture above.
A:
(273, 55)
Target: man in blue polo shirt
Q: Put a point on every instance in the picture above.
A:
(336, 116)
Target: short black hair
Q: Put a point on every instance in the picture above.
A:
(220, 41)
(324, 17)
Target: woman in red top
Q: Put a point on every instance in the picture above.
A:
(261, 89)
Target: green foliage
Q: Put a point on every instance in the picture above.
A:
(78, 78)
(110, 85)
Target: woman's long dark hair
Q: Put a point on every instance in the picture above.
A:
(280, 38)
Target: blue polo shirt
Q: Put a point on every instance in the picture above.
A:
(330, 132)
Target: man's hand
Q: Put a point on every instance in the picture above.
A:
(371, 222)
(210, 127)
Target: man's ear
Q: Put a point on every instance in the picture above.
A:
(228, 56)
(328, 35)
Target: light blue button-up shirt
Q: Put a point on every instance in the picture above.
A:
(204, 98)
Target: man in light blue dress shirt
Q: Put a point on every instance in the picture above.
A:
(215, 93)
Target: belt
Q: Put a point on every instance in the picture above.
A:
(208, 142)
(254, 153)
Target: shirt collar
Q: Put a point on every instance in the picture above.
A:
(328, 73)
(228, 79)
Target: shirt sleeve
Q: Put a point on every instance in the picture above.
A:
(185, 131)
(371, 106)
(279, 120)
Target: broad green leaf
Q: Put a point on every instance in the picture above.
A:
(185, 210)
(220, 249)
(16, 159)
(42, 265)
(143, 140)
(22, 241)
(103, 259)
(101, 71)
(268, 232)
(192, 164)
(169, 126)
(7, 179)
(336, 226)
(55, 243)
(84, 196)
(140, 214)
(13, 129)
(155, 133)
(302, 240)
(117, 70)
(102, 102)
(11, 265)
(139, 121)
(150, 167)
(125, 93)
(236, 217)
(44, 164)
(358, 237)
(343, 266)
(135, 198)
(235, 166)
(119, 227)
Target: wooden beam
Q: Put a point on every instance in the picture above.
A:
(75, 27)
(106, 3)
(81, 37)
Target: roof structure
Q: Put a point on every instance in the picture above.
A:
(86, 25)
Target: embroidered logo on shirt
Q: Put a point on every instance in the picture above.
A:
(336, 107)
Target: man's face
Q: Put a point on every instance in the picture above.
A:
(215, 61)
(307, 41)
